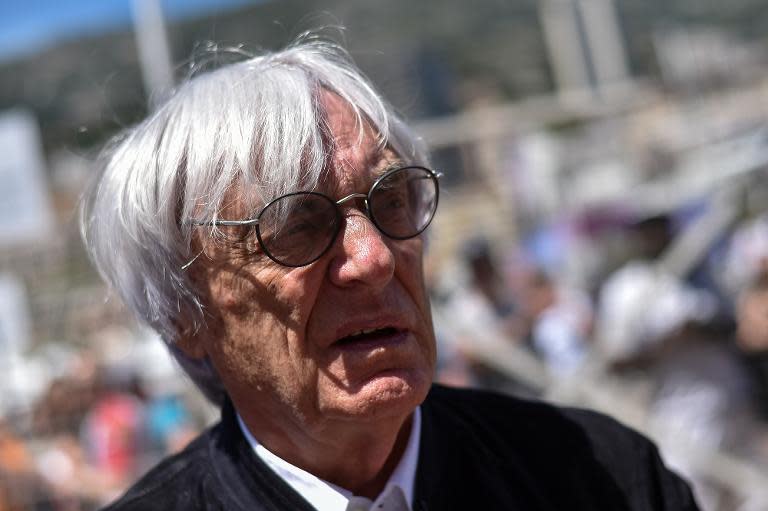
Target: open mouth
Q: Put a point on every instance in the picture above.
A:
(376, 335)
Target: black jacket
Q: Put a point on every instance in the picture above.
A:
(478, 451)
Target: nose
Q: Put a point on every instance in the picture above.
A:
(361, 254)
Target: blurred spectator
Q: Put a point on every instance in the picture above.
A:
(481, 315)
(485, 278)
(20, 487)
(709, 383)
(73, 484)
(747, 255)
(752, 337)
(168, 423)
(560, 322)
(641, 303)
(701, 400)
(112, 430)
(63, 405)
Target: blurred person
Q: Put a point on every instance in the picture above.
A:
(73, 484)
(63, 405)
(751, 340)
(486, 278)
(703, 383)
(21, 489)
(746, 256)
(268, 221)
(641, 304)
(113, 429)
(477, 294)
(700, 397)
(168, 423)
(560, 322)
(752, 337)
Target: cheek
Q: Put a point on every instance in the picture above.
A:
(256, 353)
(261, 318)
(410, 272)
(261, 298)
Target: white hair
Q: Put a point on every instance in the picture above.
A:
(258, 122)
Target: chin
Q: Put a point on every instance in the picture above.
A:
(392, 393)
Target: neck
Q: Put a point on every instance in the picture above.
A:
(358, 459)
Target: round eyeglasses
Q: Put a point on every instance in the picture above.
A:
(296, 229)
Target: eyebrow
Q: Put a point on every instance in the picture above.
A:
(380, 156)
(392, 165)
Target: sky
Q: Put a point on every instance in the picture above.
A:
(29, 26)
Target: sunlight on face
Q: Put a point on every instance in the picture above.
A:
(348, 337)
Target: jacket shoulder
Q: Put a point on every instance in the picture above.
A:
(561, 444)
(490, 410)
(174, 483)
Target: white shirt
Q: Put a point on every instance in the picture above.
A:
(326, 496)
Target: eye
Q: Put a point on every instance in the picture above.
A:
(298, 226)
(391, 197)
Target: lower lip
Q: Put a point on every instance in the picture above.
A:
(372, 343)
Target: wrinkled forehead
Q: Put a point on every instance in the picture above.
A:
(357, 153)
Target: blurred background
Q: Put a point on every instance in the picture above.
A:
(602, 239)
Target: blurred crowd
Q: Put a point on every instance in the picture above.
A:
(90, 433)
(574, 287)
(695, 342)
(690, 347)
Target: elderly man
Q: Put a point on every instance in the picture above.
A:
(268, 221)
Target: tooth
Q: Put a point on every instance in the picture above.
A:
(365, 332)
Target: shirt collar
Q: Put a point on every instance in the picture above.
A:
(326, 496)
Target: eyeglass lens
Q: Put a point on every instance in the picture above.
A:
(402, 203)
(297, 229)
